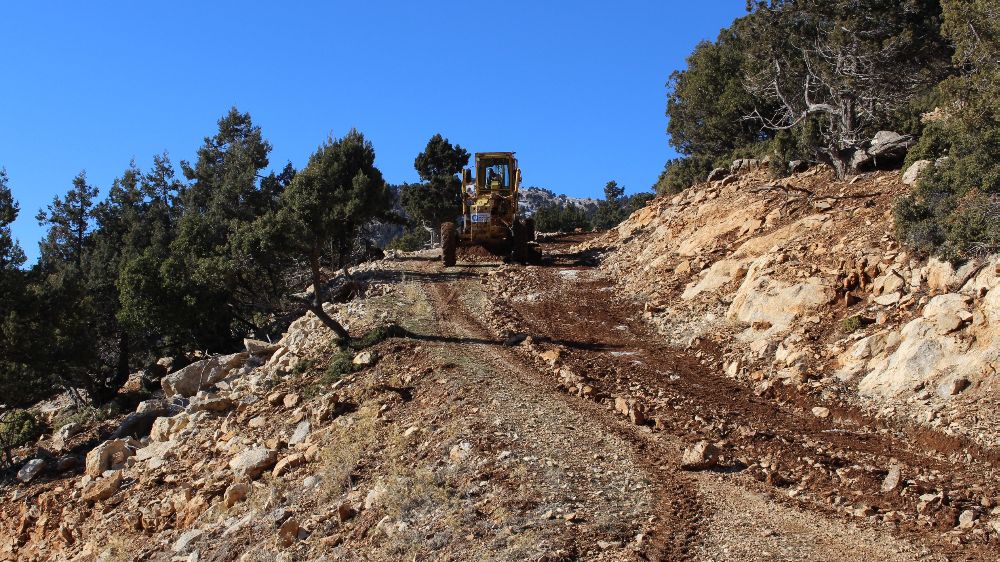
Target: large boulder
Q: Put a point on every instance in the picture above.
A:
(107, 454)
(196, 376)
(888, 147)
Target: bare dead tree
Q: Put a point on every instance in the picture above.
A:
(843, 80)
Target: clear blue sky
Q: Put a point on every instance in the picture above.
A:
(576, 88)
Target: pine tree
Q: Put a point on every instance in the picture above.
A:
(439, 198)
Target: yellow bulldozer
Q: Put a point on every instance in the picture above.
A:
(490, 216)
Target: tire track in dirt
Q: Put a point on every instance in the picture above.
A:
(677, 509)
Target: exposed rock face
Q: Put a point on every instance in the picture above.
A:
(775, 304)
(934, 345)
(752, 267)
(196, 376)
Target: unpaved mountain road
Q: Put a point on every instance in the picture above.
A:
(790, 486)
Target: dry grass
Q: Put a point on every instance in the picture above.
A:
(344, 449)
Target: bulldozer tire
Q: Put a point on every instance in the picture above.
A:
(529, 229)
(519, 244)
(449, 243)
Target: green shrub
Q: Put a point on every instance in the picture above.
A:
(853, 324)
(87, 415)
(377, 335)
(342, 362)
(934, 142)
(681, 173)
(410, 241)
(17, 428)
(954, 210)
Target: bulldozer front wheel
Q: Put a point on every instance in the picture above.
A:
(449, 243)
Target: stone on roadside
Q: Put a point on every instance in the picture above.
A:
(888, 299)
(105, 455)
(891, 481)
(953, 386)
(286, 464)
(103, 488)
(821, 412)
(364, 359)
(251, 463)
(30, 470)
(184, 542)
(291, 400)
(235, 494)
(300, 434)
(967, 519)
(700, 456)
(288, 533)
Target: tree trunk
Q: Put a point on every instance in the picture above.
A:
(121, 376)
(317, 303)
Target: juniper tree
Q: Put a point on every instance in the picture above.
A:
(325, 205)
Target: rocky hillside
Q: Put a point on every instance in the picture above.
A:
(532, 198)
(749, 354)
(800, 282)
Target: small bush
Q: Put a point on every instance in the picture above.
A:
(410, 241)
(377, 335)
(342, 362)
(681, 173)
(852, 324)
(17, 428)
(88, 415)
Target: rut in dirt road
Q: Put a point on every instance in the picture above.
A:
(579, 432)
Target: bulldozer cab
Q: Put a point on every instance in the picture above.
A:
(497, 174)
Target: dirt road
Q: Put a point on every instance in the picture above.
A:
(790, 485)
